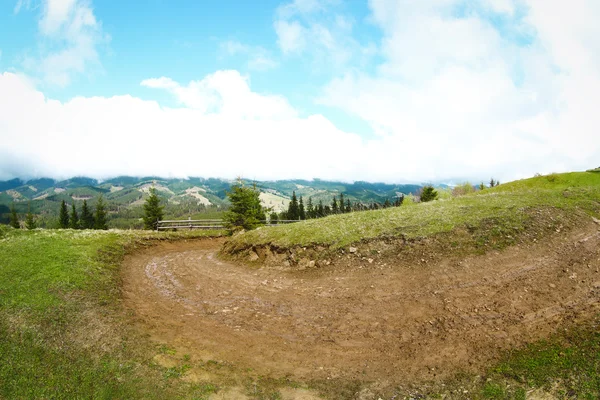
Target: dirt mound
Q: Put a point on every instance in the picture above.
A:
(364, 319)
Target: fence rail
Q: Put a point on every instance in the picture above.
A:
(208, 224)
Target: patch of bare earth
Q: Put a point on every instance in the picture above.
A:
(373, 320)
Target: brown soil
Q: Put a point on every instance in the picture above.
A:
(376, 320)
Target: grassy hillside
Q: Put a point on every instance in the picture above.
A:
(494, 216)
(63, 333)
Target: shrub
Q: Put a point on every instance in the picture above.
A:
(463, 189)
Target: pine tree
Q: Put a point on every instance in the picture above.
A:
(14, 218)
(87, 218)
(100, 219)
(293, 212)
(492, 183)
(428, 193)
(342, 210)
(246, 212)
(301, 211)
(310, 209)
(153, 211)
(74, 221)
(29, 219)
(399, 200)
(481, 186)
(274, 218)
(320, 209)
(334, 206)
(63, 218)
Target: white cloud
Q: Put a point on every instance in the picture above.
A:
(103, 137)
(225, 93)
(290, 36)
(473, 101)
(317, 29)
(503, 6)
(71, 37)
(259, 59)
(261, 62)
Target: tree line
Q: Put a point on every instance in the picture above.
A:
(298, 211)
(86, 219)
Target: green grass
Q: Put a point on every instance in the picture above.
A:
(63, 333)
(566, 365)
(502, 211)
(572, 359)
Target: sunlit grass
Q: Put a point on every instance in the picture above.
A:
(508, 205)
(63, 334)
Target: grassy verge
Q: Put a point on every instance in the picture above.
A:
(63, 334)
(566, 366)
(505, 210)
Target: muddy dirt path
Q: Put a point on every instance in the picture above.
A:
(373, 322)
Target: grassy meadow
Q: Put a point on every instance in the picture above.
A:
(64, 333)
(496, 215)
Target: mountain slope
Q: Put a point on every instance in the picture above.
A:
(195, 197)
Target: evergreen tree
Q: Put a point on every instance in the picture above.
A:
(334, 206)
(246, 212)
(399, 200)
(342, 210)
(301, 211)
(153, 211)
(100, 219)
(87, 218)
(14, 218)
(387, 203)
(293, 212)
(274, 218)
(481, 186)
(74, 221)
(348, 206)
(63, 218)
(492, 183)
(428, 193)
(310, 209)
(29, 219)
(320, 210)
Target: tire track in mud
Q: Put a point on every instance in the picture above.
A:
(386, 322)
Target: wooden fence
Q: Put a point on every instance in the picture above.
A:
(207, 224)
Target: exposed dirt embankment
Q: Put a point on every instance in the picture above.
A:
(364, 316)
(398, 250)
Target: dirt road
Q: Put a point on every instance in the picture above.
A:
(378, 321)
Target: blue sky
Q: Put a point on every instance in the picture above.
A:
(184, 40)
(355, 89)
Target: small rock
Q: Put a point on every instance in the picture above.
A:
(552, 285)
(370, 260)
(352, 249)
(253, 256)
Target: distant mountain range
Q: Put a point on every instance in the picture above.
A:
(192, 197)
